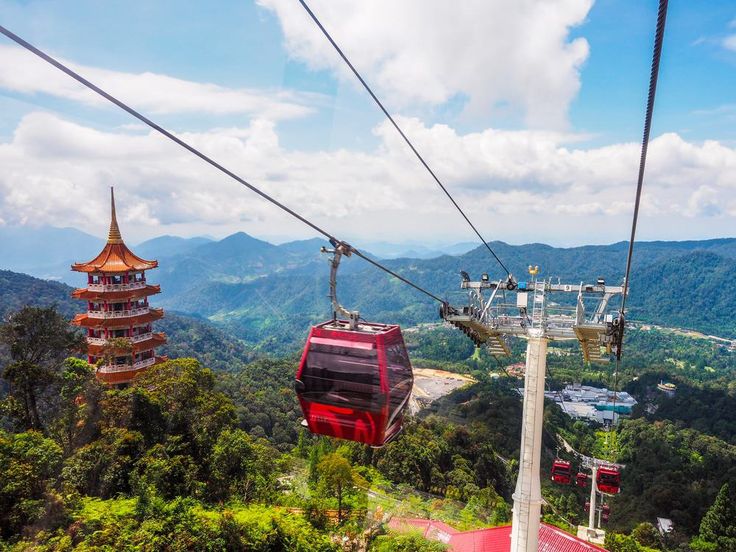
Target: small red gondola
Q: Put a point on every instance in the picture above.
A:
(608, 480)
(605, 512)
(561, 472)
(355, 383)
(581, 479)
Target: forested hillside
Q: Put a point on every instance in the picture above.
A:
(673, 283)
(258, 290)
(221, 453)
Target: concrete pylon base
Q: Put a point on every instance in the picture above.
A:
(593, 536)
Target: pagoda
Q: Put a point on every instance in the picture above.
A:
(120, 337)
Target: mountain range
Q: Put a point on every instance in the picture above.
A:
(263, 292)
(685, 284)
(47, 252)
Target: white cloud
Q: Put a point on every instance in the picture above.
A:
(151, 92)
(730, 42)
(496, 53)
(516, 185)
(704, 201)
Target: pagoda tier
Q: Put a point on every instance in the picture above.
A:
(121, 374)
(96, 346)
(123, 291)
(117, 309)
(118, 319)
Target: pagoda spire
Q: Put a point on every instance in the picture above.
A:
(114, 236)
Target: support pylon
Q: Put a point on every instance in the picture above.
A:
(528, 493)
(593, 497)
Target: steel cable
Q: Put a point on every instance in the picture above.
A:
(657, 54)
(76, 76)
(401, 132)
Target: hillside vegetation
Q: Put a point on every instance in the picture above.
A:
(211, 459)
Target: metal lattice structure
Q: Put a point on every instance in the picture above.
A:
(490, 318)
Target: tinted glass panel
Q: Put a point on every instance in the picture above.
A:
(342, 376)
(400, 378)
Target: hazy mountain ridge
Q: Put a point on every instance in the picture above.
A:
(168, 246)
(258, 289)
(680, 283)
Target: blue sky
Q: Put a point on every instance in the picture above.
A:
(697, 73)
(562, 81)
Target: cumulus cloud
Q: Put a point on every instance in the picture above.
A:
(152, 92)
(496, 54)
(514, 184)
(729, 43)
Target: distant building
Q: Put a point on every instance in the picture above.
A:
(493, 539)
(665, 525)
(517, 370)
(668, 389)
(117, 309)
(596, 404)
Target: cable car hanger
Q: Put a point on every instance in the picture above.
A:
(341, 248)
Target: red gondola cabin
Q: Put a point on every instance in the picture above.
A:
(581, 479)
(355, 384)
(561, 472)
(608, 480)
(605, 513)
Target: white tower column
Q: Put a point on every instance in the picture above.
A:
(593, 489)
(528, 493)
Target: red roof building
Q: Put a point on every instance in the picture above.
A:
(117, 308)
(494, 539)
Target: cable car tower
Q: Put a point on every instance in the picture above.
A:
(605, 480)
(502, 309)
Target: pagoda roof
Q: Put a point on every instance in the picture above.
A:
(86, 321)
(156, 340)
(115, 256)
(91, 295)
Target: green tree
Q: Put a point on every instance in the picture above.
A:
(616, 542)
(29, 463)
(646, 534)
(414, 458)
(165, 469)
(488, 506)
(103, 467)
(242, 467)
(38, 339)
(76, 421)
(718, 526)
(183, 391)
(336, 476)
(461, 479)
(405, 543)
